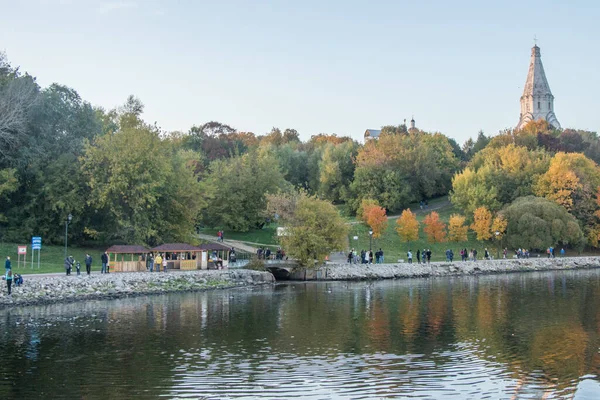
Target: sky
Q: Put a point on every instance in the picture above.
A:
(315, 66)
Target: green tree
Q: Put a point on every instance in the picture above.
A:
(238, 187)
(314, 230)
(337, 171)
(536, 223)
(142, 185)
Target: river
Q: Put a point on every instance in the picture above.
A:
(522, 336)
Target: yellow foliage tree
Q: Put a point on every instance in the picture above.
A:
(434, 228)
(499, 226)
(375, 217)
(482, 223)
(365, 204)
(407, 226)
(457, 230)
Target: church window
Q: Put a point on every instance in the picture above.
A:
(539, 107)
(549, 106)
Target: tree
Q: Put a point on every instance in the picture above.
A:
(374, 216)
(143, 187)
(397, 169)
(434, 228)
(8, 184)
(337, 171)
(496, 176)
(238, 187)
(482, 223)
(314, 230)
(457, 230)
(407, 226)
(499, 226)
(536, 223)
(365, 204)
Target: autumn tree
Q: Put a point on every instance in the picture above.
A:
(499, 226)
(457, 230)
(407, 226)
(482, 223)
(434, 228)
(375, 217)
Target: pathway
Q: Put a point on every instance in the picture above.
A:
(230, 243)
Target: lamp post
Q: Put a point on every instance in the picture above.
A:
(497, 244)
(370, 239)
(67, 222)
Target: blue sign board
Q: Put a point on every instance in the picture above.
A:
(36, 243)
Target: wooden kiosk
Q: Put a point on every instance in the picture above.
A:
(208, 249)
(125, 258)
(179, 255)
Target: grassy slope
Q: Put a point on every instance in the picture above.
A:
(51, 258)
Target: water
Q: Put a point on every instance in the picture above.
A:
(521, 336)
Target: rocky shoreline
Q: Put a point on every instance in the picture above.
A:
(405, 270)
(54, 289)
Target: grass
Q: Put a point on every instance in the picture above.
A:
(393, 249)
(51, 258)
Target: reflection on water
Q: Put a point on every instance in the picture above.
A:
(506, 336)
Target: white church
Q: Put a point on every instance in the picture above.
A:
(537, 101)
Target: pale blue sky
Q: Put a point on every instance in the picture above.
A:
(316, 66)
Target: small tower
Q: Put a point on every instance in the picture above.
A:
(412, 125)
(537, 101)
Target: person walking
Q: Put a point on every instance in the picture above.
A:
(7, 264)
(418, 256)
(68, 265)
(158, 262)
(381, 256)
(370, 256)
(9, 279)
(150, 262)
(88, 264)
(409, 256)
(164, 264)
(428, 256)
(562, 252)
(104, 260)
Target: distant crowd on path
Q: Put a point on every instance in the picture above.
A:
(424, 256)
(365, 257)
(220, 236)
(264, 253)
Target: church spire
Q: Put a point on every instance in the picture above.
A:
(537, 101)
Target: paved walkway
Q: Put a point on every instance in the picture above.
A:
(230, 243)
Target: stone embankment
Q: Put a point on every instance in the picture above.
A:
(53, 289)
(405, 270)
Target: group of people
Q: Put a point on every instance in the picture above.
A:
(70, 263)
(366, 257)
(220, 236)
(9, 277)
(265, 253)
(156, 262)
(424, 256)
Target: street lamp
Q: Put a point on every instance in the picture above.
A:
(497, 246)
(67, 222)
(370, 239)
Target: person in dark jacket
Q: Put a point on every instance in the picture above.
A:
(104, 260)
(418, 256)
(68, 265)
(88, 263)
(7, 265)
